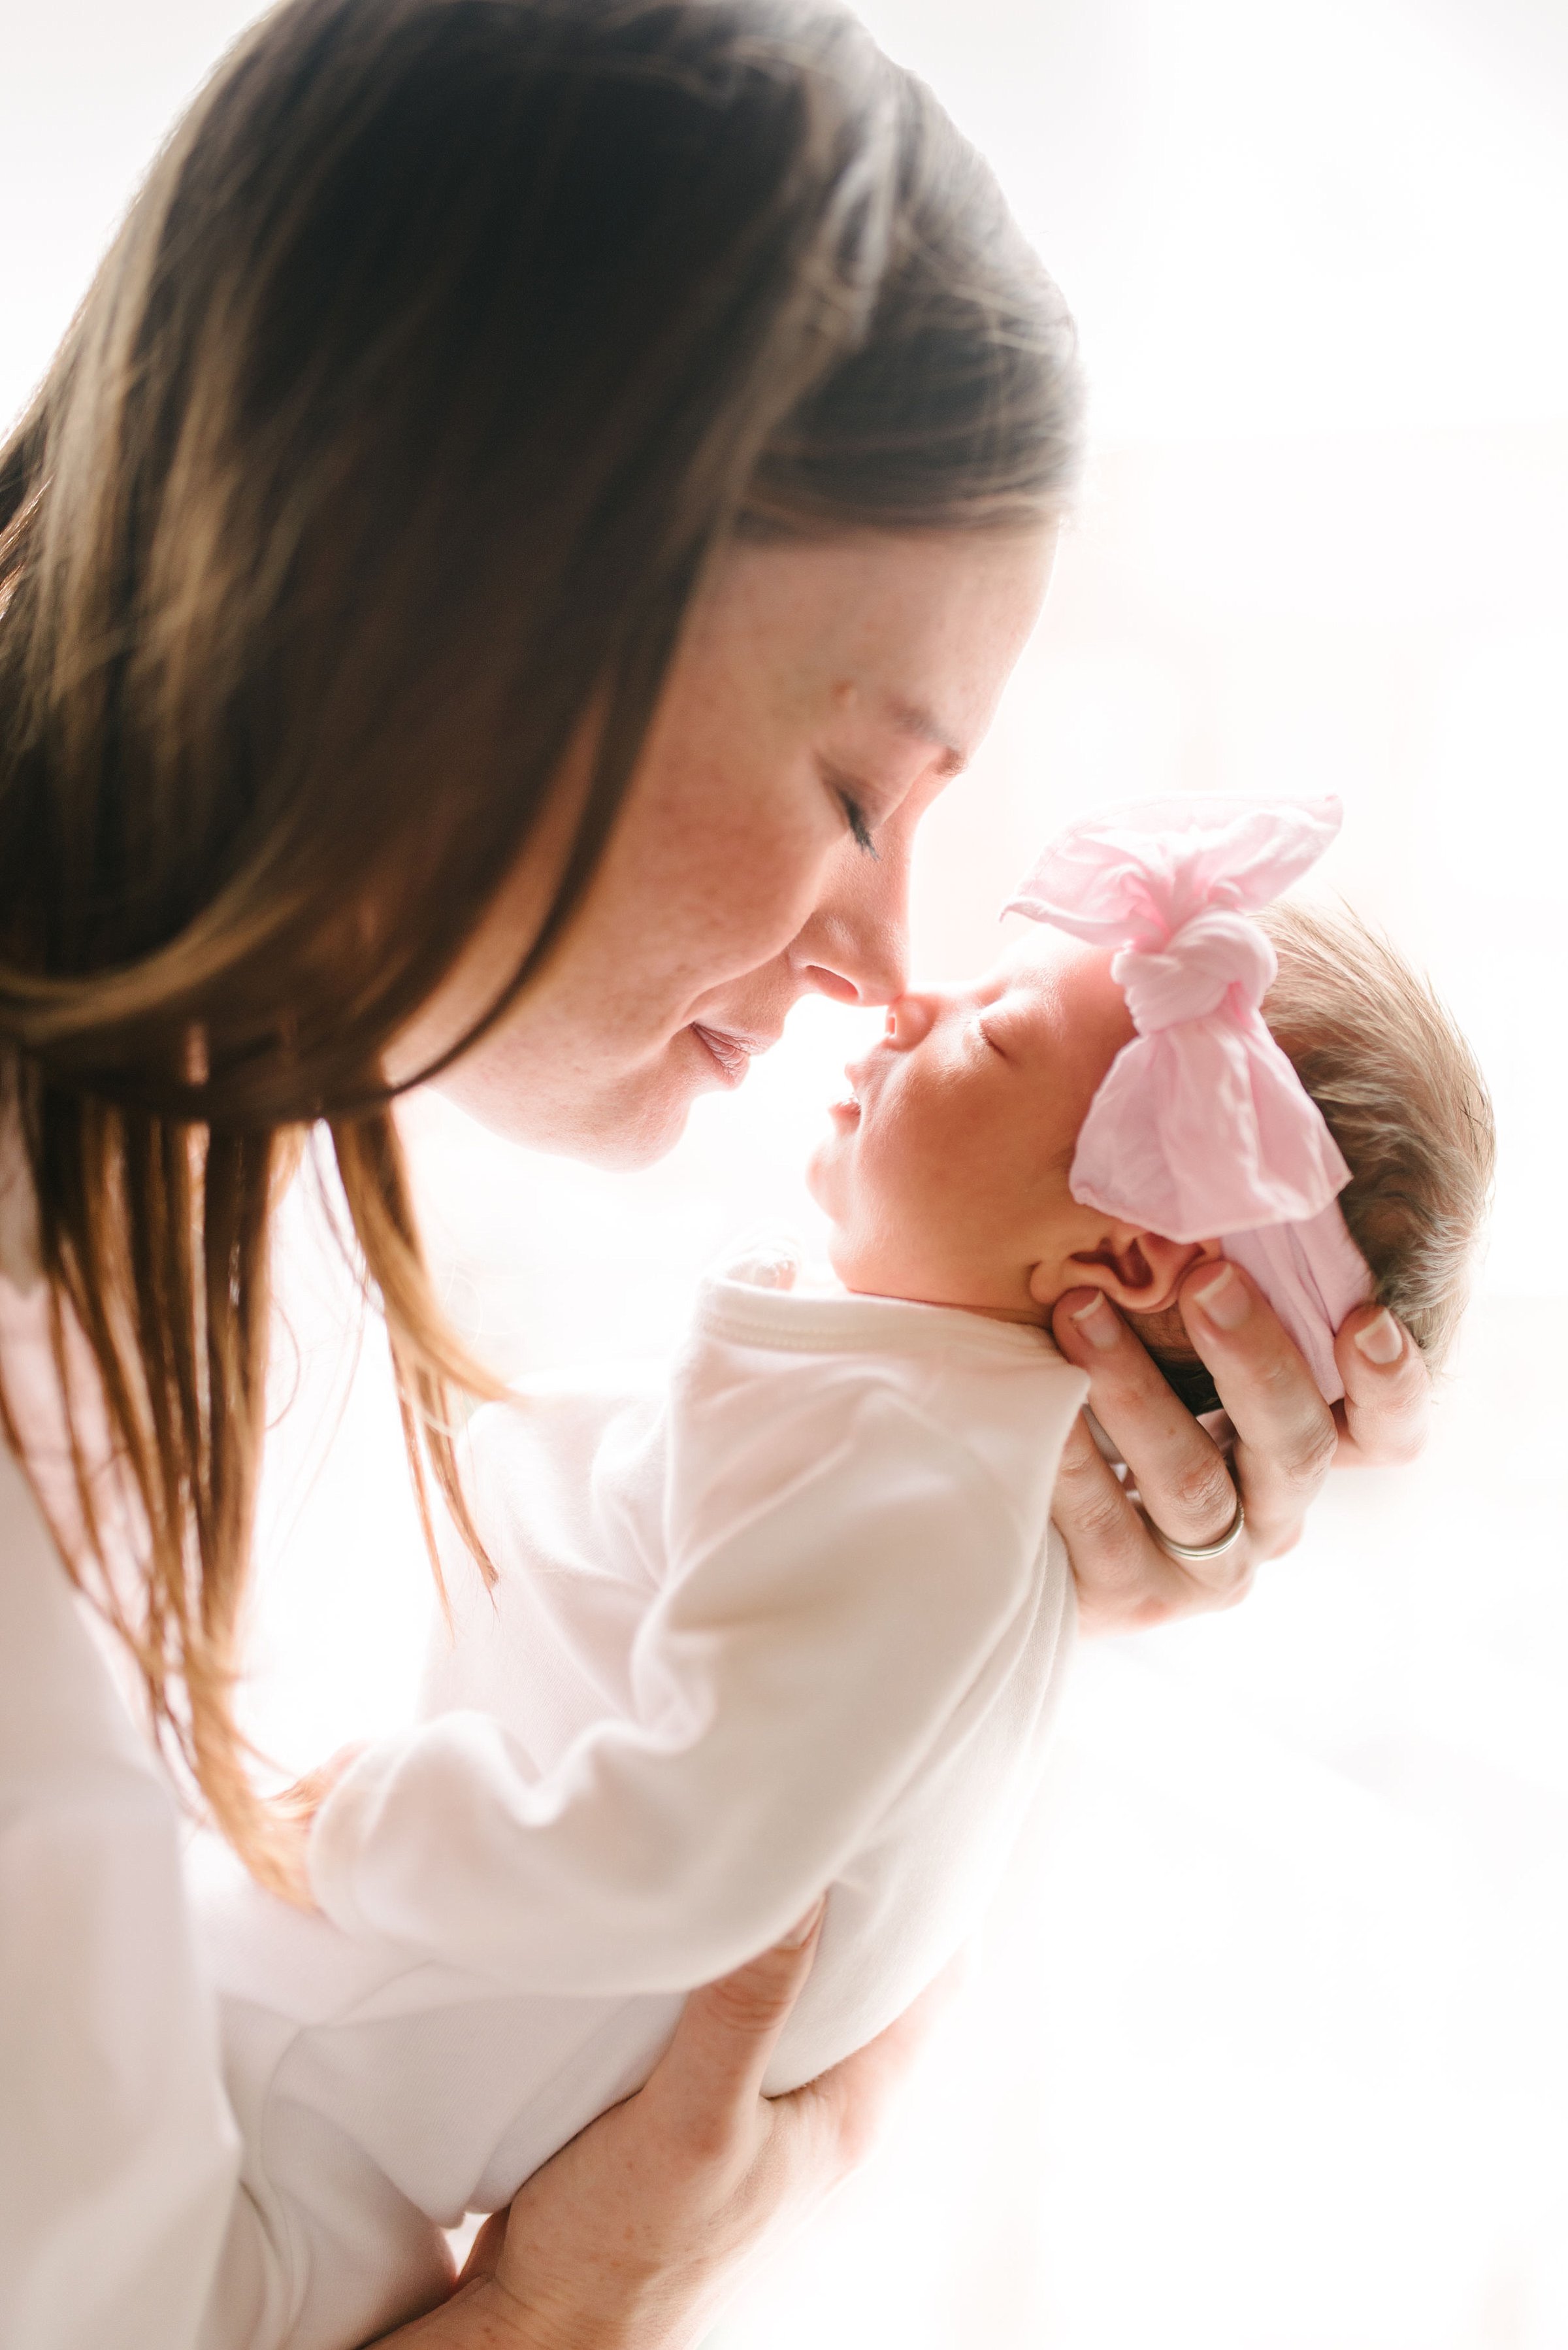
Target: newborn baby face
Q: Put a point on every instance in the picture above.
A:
(945, 1175)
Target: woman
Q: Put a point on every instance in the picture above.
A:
(539, 498)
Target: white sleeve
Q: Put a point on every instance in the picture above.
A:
(118, 2153)
(840, 1566)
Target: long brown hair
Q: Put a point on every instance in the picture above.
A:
(444, 344)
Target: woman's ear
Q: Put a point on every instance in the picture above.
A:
(1139, 1271)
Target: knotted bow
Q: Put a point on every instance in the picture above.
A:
(1209, 955)
(1201, 1128)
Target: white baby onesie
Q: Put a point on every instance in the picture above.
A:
(788, 1617)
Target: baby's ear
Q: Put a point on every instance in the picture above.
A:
(1139, 1271)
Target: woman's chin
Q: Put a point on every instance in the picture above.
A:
(633, 1135)
(639, 1118)
(620, 1124)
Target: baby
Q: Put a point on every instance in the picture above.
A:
(1091, 1118)
(791, 1615)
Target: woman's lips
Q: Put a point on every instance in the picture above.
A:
(730, 1053)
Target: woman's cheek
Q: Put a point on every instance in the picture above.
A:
(763, 853)
(770, 892)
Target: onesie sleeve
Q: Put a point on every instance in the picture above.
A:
(841, 1561)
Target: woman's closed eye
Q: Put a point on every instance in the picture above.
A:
(858, 804)
(859, 830)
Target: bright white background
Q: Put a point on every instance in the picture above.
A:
(1269, 2048)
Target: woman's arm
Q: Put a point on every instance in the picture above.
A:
(640, 2229)
(1286, 1441)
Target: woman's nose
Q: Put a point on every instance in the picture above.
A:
(856, 946)
(865, 965)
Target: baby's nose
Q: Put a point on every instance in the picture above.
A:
(911, 1019)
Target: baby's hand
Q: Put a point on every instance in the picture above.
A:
(1185, 1483)
(293, 1811)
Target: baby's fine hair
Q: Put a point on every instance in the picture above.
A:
(1404, 1099)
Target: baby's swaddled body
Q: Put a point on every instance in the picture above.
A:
(787, 1617)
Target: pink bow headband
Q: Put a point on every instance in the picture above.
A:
(1201, 1128)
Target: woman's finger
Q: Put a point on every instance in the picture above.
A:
(1180, 1474)
(1285, 1434)
(1126, 1582)
(722, 2046)
(1388, 1391)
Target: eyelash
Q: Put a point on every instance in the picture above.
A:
(854, 817)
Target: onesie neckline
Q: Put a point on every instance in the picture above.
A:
(752, 1297)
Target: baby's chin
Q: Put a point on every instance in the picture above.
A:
(856, 1266)
(841, 1256)
(827, 1178)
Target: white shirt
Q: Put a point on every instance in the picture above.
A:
(118, 2153)
(787, 1618)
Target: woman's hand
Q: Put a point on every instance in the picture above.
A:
(638, 2231)
(1286, 1439)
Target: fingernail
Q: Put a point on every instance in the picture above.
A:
(1382, 1340)
(802, 1932)
(1224, 1300)
(1097, 1323)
